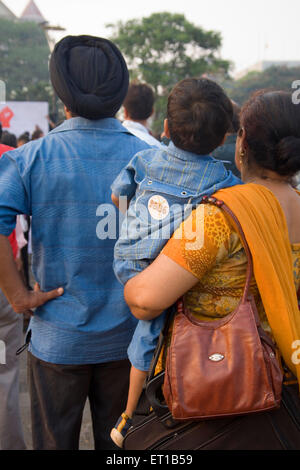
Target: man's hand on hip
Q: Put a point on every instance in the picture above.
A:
(26, 301)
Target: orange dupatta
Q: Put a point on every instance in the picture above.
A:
(265, 228)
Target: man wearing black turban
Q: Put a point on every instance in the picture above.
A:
(79, 333)
(89, 75)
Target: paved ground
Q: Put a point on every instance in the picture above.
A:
(86, 439)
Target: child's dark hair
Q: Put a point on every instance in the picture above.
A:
(199, 115)
(272, 125)
(139, 101)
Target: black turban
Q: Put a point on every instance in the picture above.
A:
(89, 75)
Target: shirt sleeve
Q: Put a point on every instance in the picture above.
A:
(14, 198)
(202, 241)
(125, 183)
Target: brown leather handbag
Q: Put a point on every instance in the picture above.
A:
(224, 367)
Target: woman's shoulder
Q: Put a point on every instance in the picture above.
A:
(204, 239)
(247, 192)
(212, 218)
(208, 227)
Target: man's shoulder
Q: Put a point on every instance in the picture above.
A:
(25, 155)
(135, 148)
(140, 131)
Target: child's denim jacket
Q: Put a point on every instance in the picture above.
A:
(164, 185)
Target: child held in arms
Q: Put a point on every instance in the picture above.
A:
(163, 186)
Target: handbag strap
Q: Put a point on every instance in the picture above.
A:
(161, 341)
(221, 204)
(179, 305)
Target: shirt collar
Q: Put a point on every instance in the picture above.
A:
(187, 156)
(135, 125)
(77, 123)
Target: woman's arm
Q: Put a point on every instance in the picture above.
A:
(180, 266)
(156, 288)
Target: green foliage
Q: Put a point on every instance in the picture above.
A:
(24, 55)
(274, 78)
(165, 48)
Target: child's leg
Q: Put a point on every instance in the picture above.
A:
(140, 353)
(125, 269)
(137, 379)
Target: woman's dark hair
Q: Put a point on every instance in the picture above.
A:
(272, 125)
(139, 101)
(199, 115)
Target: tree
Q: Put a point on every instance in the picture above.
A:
(164, 48)
(275, 78)
(24, 55)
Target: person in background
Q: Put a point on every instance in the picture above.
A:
(51, 122)
(24, 222)
(37, 133)
(138, 108)
(226, 153)
(23, 139)
(9, 139)
(11, 334)
(81, 327)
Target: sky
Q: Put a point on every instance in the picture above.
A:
(252, 30)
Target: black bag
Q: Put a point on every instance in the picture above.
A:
(155, 429)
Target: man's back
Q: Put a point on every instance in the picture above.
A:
(62, 181)
(12, 237)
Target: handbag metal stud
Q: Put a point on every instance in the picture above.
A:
(216, 357)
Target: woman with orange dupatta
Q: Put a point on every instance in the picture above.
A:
(209, 270)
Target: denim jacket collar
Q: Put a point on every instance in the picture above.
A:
(184, 155)
(80, 123)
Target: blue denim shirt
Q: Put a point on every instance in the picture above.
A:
(181, 178)
(61, 180)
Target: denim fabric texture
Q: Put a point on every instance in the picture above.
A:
(181, 177)
(60, 180)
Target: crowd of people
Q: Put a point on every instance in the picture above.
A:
(11, 140)
(101, 292)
